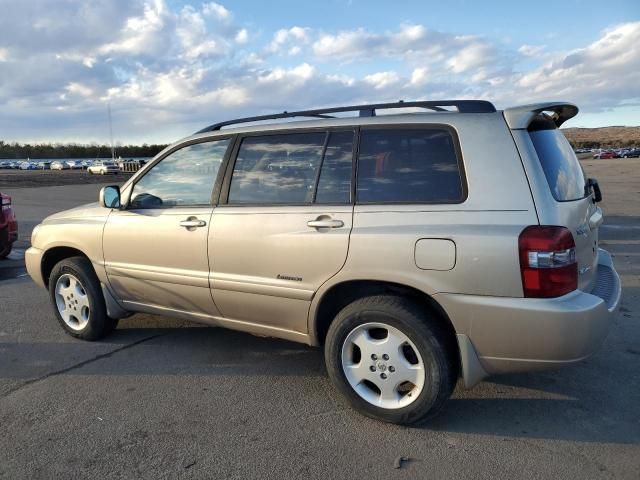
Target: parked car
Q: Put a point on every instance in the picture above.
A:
(5, 164)
(28, 166)
(631, 153)
(58, 165)
(441, 258)
(86, 164)
(103, 168)
(605, 154)
(8, 226)
(73, 164)
(43, 165)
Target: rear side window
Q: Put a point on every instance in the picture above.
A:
(561, 167)
(277, 168)
(418, 165)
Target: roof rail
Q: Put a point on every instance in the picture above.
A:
(463, 106)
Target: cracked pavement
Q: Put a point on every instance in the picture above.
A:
(162, 398)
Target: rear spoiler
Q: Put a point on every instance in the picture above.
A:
(521, 117)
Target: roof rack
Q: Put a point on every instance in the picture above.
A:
(463, 106)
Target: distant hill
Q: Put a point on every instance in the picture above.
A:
(603, 137)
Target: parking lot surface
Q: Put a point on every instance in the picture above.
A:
(163, 399)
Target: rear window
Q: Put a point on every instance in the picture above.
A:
(418, 165)
(561, 167)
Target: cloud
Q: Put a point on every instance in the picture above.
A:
(289, 39)
(602, 75)
(216, 10)
(242, 36)
(168, 70)
(531, 50)
(382, 80)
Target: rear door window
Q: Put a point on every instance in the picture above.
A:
(561, 167)
(419, 165)
(276, 169)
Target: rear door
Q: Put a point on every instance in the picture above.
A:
(282, 227)
(572, 204)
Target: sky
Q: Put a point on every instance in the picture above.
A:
(170, 67)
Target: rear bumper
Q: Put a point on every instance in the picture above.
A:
(519, 334)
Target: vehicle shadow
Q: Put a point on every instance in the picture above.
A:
(594, 401)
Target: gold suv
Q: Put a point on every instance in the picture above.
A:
(418, 248)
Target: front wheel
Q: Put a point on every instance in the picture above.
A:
(391, 359)
(77, 299)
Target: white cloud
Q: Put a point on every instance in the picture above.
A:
(216, 10)
(141, 34)
(242, 36)
(531, 50)
(76, 88)
(292, 38)
(419, 76)
(602, 75)
(382, 79)
(166, 70)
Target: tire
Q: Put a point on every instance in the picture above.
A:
(5, 251)
(432, 348)
(96, 324)
(101, 172)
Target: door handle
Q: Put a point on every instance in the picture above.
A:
(192, 222)
(325, 223)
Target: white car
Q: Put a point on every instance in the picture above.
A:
(103, 168)
(57, 165)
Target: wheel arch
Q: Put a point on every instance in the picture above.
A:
(54, 255)
(341, 294)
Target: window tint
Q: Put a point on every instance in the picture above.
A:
(277, 168)
(185, 177)
(408, 166)
(334, 185)
(561, 167)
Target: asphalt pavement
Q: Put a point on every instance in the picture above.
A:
(162, 398)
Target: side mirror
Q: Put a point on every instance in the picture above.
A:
(110, 197)
(594, 187)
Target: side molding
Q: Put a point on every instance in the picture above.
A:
(114, 310)
(472, 371)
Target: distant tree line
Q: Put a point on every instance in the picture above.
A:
(15, 150)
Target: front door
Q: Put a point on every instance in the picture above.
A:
(155, 249)
(282, 228)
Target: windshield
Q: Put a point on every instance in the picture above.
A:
(561, 167)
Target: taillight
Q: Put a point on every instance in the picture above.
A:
(547, 261)
(5, 201)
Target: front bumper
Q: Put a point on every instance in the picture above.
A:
(518, 334)
(33, 262)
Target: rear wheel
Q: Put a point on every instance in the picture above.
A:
(77, 299)
(391, 359)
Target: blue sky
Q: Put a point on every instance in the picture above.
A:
(168, 67)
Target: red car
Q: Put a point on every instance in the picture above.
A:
(606, 154)
(8, 226)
